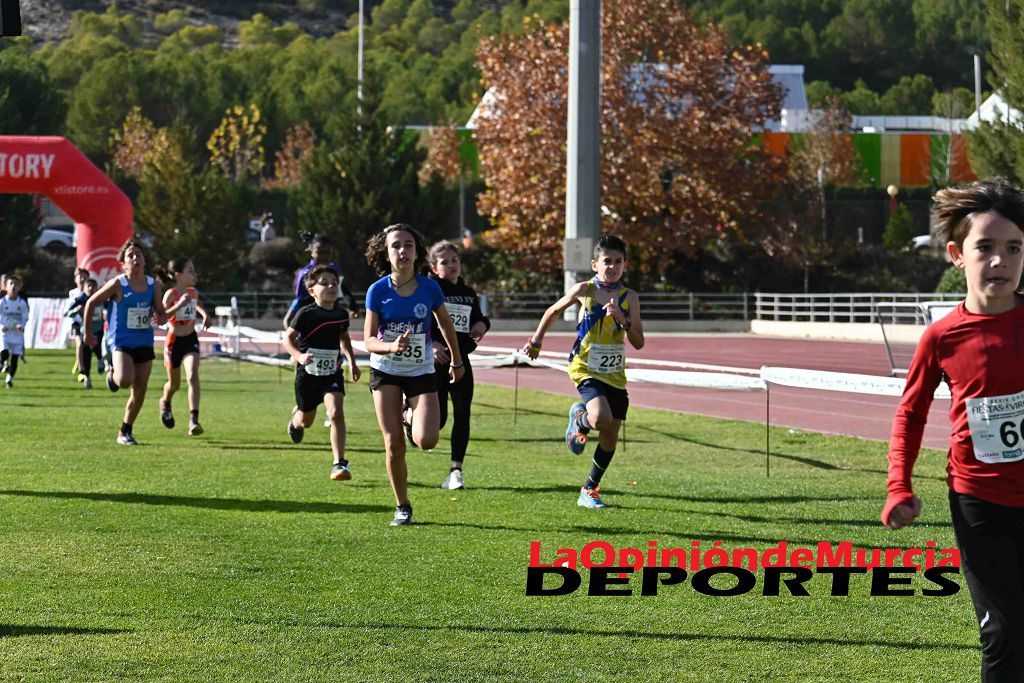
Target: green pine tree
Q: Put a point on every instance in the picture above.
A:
(363, 177)
(900, 229)
(998, 148)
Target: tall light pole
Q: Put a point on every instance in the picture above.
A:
(359, 59)
(583, 162)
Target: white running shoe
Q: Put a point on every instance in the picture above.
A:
(403, 515)
(453, 481)
(591, 498)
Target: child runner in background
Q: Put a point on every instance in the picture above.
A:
(471, 325)
(397, 333)
(976, 350)
(13, 319)
(81, 275)
(316, 334)
(321, 251)
(85, 352)
(181, 347)
(135, 300)
(609, 314)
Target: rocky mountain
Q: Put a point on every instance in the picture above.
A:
(48, 20)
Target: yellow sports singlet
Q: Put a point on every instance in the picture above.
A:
(600, 349)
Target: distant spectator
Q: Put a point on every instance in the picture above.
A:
(267, 231)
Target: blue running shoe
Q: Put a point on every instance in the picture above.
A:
(574, 439)
(591, 498)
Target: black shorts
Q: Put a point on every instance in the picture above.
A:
(310, 389)
(139, 354)
(618, 399)
(176, 348)
(76, 329)
(410, 386)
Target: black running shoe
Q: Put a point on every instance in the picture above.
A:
(407, 423)
(111, 384)
(296, 433)
(166, 416)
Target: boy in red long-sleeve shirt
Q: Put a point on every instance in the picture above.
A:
(978, 350)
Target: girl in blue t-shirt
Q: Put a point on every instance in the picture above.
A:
(399, 308)
(135, 304)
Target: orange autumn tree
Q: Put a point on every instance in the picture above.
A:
(679, 109)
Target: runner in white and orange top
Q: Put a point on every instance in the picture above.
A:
(181, 347)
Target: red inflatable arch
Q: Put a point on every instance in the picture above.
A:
(56, 168)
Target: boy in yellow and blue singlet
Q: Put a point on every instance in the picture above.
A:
(609, 315)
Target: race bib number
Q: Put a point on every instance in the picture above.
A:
(138, 317)
(415, 353)
(186, 313)
(997, 427)
(325, 362)
(460, 316)
(606, 357)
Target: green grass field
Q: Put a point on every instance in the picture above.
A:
(232, 557)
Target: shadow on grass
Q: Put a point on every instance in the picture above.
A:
(470, 525)
(570, 488)
(567, 489)
(557, 438)
(507, 410)
(286, 506)
(8, 631)
(839, 522)
(804, 460)
(801, 639)
(51, 406)
(287, 447)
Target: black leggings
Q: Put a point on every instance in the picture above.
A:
(991, 542)
(11, 360)
(85, 354)
(462, 398)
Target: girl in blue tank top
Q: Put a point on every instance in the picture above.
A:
(134, 305)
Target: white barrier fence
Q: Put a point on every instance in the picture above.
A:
(674, 373)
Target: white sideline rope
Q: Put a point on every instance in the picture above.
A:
(841, 381)
(642, 361)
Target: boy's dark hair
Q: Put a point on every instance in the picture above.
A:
(8, 278)
(377, 249)
(315, 240)
(609, 243)
(81, 271)
(954, 207)
(314, 274)
(92, 281)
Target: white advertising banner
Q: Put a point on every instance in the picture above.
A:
(48, 327)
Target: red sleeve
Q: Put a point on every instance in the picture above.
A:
(923, 378)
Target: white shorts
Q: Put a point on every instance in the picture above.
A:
(13, 342)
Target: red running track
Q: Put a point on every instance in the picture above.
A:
(860, 415)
